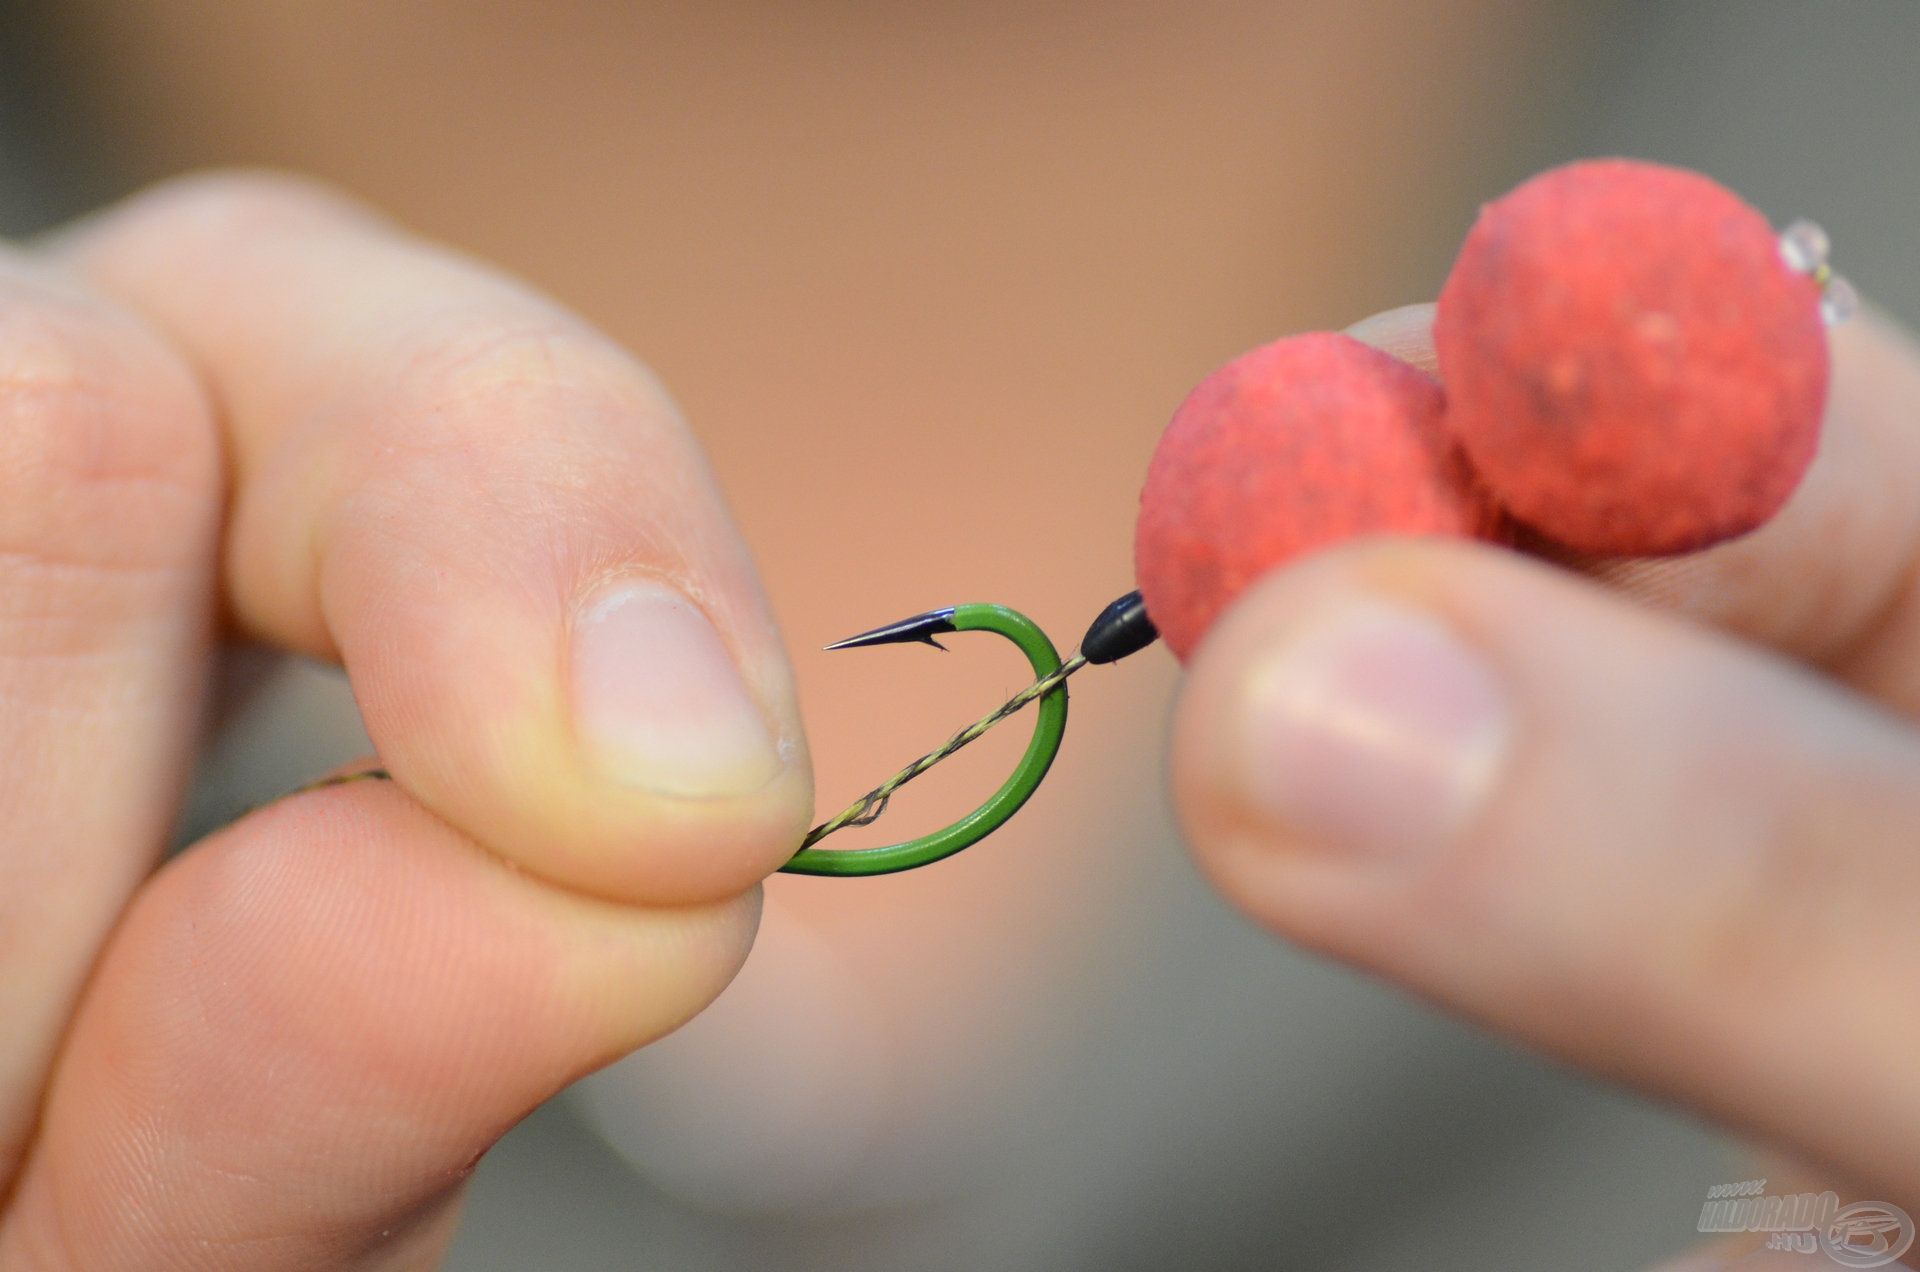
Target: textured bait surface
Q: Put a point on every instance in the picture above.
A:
(1296, 445)
(1632, 364)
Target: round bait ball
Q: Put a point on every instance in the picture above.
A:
(1630, 363)
(1296, 445)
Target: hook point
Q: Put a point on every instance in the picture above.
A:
(921, 628)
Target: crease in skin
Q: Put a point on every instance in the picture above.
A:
(1874, 632)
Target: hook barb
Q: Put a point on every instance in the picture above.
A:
(921, 627)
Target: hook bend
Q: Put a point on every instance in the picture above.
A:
(1049, 729)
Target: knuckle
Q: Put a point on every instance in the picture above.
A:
(523, 409)
(106, 444)
(524, 433)
(228, 203)
(537, 358)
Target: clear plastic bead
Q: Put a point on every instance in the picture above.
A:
(1804, 246)
(1839, 301)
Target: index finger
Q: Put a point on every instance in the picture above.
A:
(1834, 578)
(495, 519)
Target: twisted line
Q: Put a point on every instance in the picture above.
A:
(867, 809)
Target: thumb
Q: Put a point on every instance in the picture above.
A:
(1611, 834)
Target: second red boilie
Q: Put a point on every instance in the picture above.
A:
(1630, 363)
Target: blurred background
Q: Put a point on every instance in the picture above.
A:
(928, 279)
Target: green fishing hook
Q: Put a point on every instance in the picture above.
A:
(1049, 730)
(1121, 629)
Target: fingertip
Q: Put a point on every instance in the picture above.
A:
(353, 895)
(607, 961)
(504, 758)
(603, 698)
(657, 700)
(1405, 332)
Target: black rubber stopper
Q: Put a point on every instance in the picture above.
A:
(1123, 628)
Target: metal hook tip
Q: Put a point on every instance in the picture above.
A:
(921, 627)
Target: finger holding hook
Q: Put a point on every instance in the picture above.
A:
(1122, 628)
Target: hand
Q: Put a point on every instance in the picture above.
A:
(1672, 837)
(242, 397)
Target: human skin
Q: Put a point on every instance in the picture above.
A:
(1659, 835)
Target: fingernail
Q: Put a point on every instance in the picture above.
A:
(1372, 729)
(658, 701)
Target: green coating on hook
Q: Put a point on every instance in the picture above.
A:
(1050, 728)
